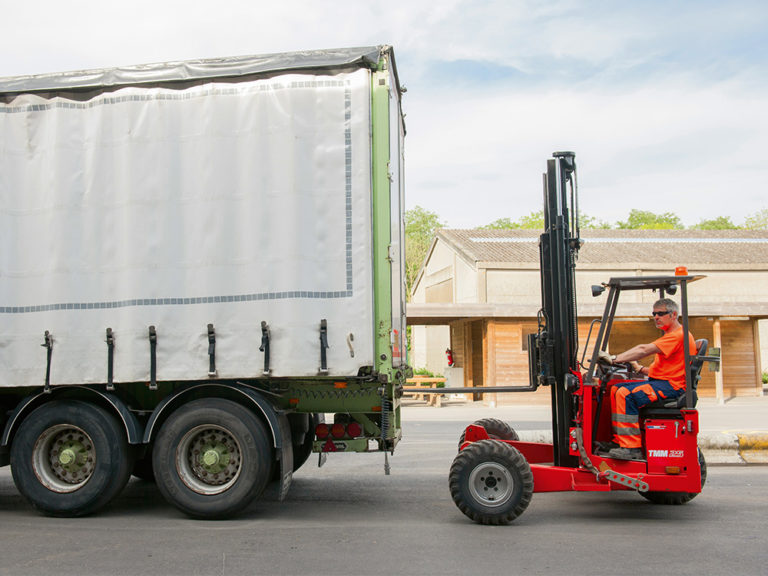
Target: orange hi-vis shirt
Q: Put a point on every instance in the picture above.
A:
(670, 363)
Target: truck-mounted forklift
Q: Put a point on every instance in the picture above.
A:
(494, 476)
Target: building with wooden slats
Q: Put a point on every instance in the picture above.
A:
(478, 294)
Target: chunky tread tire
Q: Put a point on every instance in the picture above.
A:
(227, 481)
(491, 482)
(100, 460)
(497, 429)
(677, 498)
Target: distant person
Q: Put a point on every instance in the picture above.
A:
(666, 379)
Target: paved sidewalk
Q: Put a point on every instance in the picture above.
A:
(732, 433)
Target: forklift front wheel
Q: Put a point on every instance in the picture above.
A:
(491, 482)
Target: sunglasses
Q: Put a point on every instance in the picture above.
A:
(659, 313)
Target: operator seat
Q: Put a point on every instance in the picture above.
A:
(672, 405)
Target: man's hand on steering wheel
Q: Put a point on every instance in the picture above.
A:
(604, 357)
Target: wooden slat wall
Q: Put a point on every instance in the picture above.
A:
(740, 377)
(478, 354)
(507, 337)
(512, 362)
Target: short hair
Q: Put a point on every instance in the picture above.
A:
(668, 303)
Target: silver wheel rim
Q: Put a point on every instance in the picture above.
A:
(491, 484)
(64, 458)
(208, 459)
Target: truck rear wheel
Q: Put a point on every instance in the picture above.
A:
(70, 458)
(491, 482)
(212, 458)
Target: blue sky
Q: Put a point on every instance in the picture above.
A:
(663, 102)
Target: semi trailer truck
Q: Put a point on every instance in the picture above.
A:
(199, 260)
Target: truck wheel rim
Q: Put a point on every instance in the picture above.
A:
(64, 458)
(208, 459)
(491, 484)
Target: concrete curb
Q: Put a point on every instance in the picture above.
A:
(718, 447)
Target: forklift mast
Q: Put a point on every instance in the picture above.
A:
(555, 346)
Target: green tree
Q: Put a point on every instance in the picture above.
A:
(719, 223)
(420, 227)
(535, 221)
(586, 221)
(645, 220)
(501, 224)
(758, 221)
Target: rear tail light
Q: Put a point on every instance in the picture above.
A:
(322, 431)
(354, 430)
(338, 430)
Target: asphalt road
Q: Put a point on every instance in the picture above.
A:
(349, 518)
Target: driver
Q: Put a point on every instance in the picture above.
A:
(666, 379)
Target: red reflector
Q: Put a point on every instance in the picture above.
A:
(338, 430)
(321, 431)
(354, 430)
(329, 446)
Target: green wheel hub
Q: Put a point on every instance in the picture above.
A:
(64, 458)
(215, 458)
(208, 459)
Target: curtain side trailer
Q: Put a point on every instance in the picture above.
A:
(199, 260)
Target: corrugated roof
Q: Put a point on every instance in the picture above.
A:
(611, 247)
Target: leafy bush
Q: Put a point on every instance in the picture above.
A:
(423, 372)
(428, 374)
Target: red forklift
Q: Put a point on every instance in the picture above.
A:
(494, 476)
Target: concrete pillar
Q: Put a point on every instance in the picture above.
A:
(717, 343)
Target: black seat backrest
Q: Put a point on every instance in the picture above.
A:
(697, 362)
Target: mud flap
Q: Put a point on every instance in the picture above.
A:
(284, 451)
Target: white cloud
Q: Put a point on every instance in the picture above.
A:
(686, 149)
(661, 102)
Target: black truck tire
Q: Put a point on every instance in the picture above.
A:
(497, 429)
(212, 458)
(491, 482)
(677, 498)
(70, 458)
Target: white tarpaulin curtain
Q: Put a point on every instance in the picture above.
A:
(225, 203)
